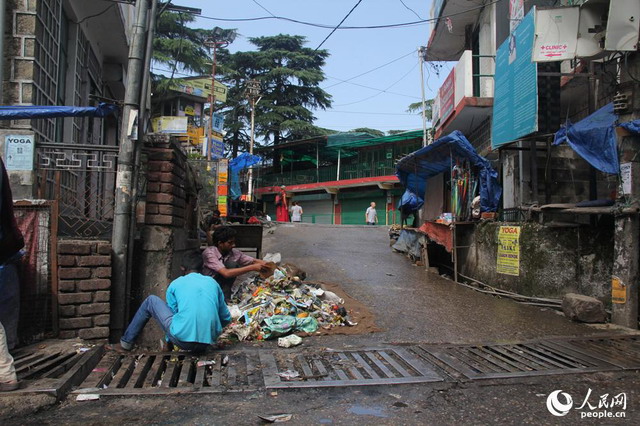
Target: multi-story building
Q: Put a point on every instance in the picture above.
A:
(336, 177)
(522, 71)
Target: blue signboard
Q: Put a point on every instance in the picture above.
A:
(217, 149)
(515, 103)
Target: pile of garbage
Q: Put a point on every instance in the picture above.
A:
(277, 305)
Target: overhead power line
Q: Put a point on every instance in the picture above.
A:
(370, 71)
(362, 27)
(408, 8)
(337, 26)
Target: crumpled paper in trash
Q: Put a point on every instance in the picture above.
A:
(289, 341)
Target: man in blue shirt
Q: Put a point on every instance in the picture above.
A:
(192, 317)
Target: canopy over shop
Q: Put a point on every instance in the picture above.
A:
(468, 172)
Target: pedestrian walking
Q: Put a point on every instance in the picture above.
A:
(193, 315)
(371, 216)
(296, 212)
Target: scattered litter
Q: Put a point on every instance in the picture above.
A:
(82, 350)
(99, 370)
(395, 395)
(289, 341)
(274, 393)
(276, 418)
(205, 363)
(289, 375)
(225, 360)
(281, 304)
(88, 397)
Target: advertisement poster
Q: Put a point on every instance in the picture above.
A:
(516, 13)
(515, 108)
(509, 250)
(447, 96)
(19, 152)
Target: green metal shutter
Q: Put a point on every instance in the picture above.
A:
(353, 210)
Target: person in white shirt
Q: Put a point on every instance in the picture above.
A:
(296, 212)
(371, 216)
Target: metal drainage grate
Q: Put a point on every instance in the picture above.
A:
(621, 351)
(344, 368)
(163, 373)
(41, 365)
(519, 360)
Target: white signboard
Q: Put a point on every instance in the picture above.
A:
(556, 34)
(19, 152)
(625, 177)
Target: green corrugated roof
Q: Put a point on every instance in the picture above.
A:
(341, 140)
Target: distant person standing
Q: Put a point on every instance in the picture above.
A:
(282, 211)
(371, 216)
(296, 212)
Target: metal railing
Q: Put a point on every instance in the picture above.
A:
(328, 174)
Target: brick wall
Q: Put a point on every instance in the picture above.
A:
(166, 199)
(84, 282)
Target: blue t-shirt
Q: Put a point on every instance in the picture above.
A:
(199, 311)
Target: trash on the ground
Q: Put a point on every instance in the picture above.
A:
(289, 375)
(99, 370)
(276, 418)
(206, 362)
(88, 397)
(289, 341)
(274, 393)
(82, 350)
(225, 360)
(282, 304)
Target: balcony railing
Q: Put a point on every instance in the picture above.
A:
(327, 174)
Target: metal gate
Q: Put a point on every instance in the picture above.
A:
(82, 179)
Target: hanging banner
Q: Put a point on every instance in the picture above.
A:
(618, 290)
(218, 122)
(201, 87)
(509, 250)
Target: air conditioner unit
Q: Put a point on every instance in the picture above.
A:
(623, 28)
(591, 30)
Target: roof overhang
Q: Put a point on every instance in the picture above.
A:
(383, 182)
(445, 45)
(468, 114)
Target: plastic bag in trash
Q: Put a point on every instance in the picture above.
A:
(331, 297)
(289, 341)
(235, 312)
(281, 325)
(272, 257)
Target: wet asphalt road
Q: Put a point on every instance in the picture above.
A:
(409, 303)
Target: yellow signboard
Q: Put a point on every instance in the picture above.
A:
(222, 205)
(201, 87)
(223, 178)
(618, 290)
(509, 250)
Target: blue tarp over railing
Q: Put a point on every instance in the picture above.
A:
(414, 169)
(39, 111)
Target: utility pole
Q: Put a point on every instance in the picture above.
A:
(421, 53)
(124, 177)
(253, 92)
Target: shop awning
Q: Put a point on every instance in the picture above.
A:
(414, 169)
(41, 111)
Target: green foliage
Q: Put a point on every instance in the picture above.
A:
(417, 107)
(289, 74)
(374, 132)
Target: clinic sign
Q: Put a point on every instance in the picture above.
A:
(18, 152)
(509, 250)
(515, 107)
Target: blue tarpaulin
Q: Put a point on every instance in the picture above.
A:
(41, 111)
(241, 162)
(410, 201)
(594, 139)
(631, 126)
(414, 169)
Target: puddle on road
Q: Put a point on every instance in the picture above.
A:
(367, 411)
